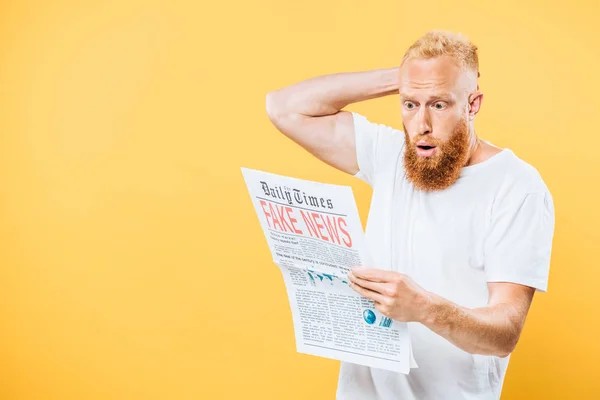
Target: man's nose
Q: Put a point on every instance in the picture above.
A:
(423, 122)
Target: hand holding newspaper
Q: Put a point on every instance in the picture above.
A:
(315, 236)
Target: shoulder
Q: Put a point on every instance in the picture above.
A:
(520, 177)
(381, 132)
(521, 189)
(378, 148)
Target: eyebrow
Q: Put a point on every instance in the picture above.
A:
(440, 95)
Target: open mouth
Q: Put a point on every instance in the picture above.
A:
(425, 150)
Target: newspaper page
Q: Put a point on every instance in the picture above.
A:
(315, 236)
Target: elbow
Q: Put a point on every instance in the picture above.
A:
(508, 340)
(269, 103)
(507, 348)
(503, 354)
(500, 352)
(272, 105)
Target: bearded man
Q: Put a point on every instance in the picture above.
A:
(460, 231)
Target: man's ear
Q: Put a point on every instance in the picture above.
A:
(475, 101)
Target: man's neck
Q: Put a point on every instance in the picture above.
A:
(481, 151)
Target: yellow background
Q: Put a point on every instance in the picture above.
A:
(132, 262)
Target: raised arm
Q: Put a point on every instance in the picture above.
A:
(309, 113)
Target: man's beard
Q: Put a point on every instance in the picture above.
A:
(441, 170)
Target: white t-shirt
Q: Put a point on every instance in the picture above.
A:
(495, 224)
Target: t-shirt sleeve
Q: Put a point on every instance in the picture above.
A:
(519, 243)
(375, 144)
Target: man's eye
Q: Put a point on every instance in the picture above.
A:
(410, 106)
(439, 106)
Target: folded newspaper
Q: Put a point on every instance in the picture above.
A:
(315, 236)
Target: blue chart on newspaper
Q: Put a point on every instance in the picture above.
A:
(315, 236)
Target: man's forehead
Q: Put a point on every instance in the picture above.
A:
(444, 67)
(438, 77)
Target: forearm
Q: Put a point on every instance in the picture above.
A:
(328, 94)
(492, 330)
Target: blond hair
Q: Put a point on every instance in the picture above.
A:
(436, 43)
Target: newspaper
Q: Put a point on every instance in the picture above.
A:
(315, 236)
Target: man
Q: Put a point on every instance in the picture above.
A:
(460, 230)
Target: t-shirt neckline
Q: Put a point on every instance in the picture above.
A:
(468, 170)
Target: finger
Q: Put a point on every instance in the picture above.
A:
(369, 294)
(379, 307)
(374, 274)
(374, 286)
